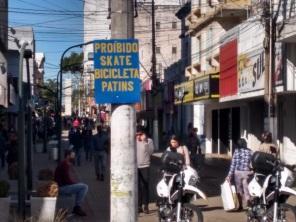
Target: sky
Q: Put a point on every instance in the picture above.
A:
(57, 25)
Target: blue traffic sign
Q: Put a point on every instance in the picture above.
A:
(116, 66)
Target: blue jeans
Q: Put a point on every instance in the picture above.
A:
(100, 162)
(79, 189)
(77, 156)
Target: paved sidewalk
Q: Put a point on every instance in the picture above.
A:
(212, 174)
(97, 204)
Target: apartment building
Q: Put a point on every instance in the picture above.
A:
(96, 26)
(39, 70)
(3, 53)
(168, 52)
(242, 78)
(208, 21)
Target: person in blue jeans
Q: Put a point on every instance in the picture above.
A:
(67, 185)
(76, 139)
(87, 139)
(100, 143)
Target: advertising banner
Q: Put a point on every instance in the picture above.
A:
(206, 87)
(250, 57)
(184, 92)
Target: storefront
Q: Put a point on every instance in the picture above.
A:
(198, 93)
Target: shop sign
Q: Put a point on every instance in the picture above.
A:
(12, 95)
(251, 71)
(116, 65)
(184, 92)
(202, 88)
(206, 87)
(3, 96)
(278, 66)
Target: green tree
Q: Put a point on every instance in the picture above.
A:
(73, 63)
(49, 91)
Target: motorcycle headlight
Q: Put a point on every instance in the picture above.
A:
(193, 181)
(178, 179)
(290, 181)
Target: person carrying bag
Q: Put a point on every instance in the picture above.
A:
(239, 172)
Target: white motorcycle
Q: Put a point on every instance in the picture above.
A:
(176, 191)
(270, 188)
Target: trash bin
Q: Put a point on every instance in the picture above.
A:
(54, 153)
(53, 150)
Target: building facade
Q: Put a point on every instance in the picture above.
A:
(207, 22)
(15, 35)
(168, 53)
(3, 53)
(39, 71)
(96, 26)
(67, 98)
(235, 103)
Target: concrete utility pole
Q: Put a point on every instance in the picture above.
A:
(154, 80)
(123, 125)
(269, 64)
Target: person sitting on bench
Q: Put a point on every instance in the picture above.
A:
(67, 185)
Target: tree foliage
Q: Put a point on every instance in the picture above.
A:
(49, 91)
(73, 63)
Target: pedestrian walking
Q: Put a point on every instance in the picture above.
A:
(176, 146)
(2, 146)
(87, 138)
(70, 135)
(193, 141)
(77, 142)
(100, 146)
(240, 171)
(267, 146)
(145, 148)
(67, 185)
(193, 145)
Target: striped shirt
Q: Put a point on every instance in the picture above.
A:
(240, 161)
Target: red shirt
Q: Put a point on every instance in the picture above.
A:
(62, 174)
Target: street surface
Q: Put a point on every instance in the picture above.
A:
(97, 204)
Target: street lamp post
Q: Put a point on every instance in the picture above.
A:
(60, 89)
(27, 56)
(21, 137)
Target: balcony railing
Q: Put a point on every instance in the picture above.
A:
(223, 10)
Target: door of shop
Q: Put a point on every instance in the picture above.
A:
(225, 130)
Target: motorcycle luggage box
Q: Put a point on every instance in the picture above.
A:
(172, 162)
(263, 162)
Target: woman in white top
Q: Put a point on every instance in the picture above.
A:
(175, 146)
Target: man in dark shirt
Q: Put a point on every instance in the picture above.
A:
(100, 144)
(77, 142)
(67, 186)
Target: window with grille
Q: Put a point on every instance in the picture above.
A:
(174, 25)
(174, 50)
(157, 50)
(157, 25)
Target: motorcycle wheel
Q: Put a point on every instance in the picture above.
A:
(253, 220)
(191, 213)
(287, 213)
